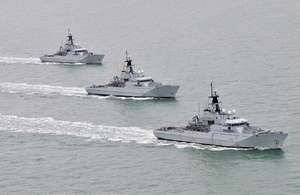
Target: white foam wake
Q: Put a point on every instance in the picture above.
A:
(46, 90)
(79, 129)
(51, 91)
(92, 132)
(13, 60)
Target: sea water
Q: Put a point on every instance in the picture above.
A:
(56, 139)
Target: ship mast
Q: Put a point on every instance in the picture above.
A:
(70, 37)
(215, 102)
(129, 65)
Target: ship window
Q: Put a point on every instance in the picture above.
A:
(145, 80)
(210, 122)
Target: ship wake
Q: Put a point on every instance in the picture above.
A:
(92, 132)
(55, 91)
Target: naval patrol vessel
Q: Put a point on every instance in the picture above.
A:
(73, 53)
(132, 83)
(220, 128)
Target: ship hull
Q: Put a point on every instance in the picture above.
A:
(92, 59)
(88, 59)
(270, 141)
(163, 91)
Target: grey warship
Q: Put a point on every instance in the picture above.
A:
(220, 128)
(132, 83)
(73, 53)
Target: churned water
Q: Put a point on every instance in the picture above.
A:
(56, 139)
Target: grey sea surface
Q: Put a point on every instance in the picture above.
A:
(56, 139)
